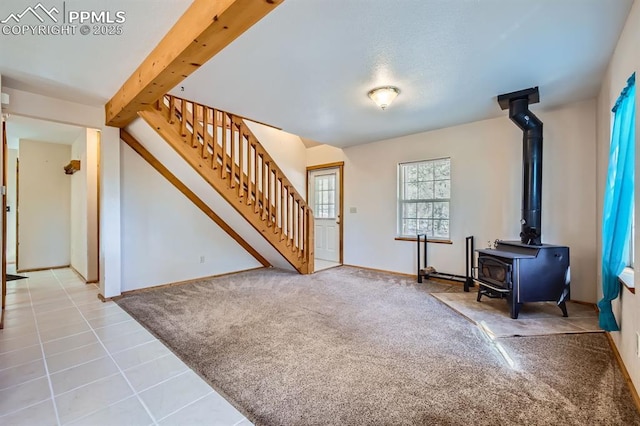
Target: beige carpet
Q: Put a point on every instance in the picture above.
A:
(535, 319)
(348, 346)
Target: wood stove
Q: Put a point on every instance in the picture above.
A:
(526, 271)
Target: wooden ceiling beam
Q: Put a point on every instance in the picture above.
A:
(207, 27)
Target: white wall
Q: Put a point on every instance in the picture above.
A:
(625, 61)
(44, 226)
(324, 154)
(78, 180)
(486, 162)
(93, 204)
(110, 213)
(12, 159)
(52, 109)
(84, 206)
(287, 150)
(165, 235)
(160, 149)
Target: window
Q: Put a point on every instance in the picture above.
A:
(424, 190)
(325, 196)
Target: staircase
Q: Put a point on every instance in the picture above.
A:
(224, 151)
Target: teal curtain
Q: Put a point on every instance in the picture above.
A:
(618, 202)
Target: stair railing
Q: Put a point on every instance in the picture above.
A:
(231, 149)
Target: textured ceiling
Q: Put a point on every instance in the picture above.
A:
(83, 68)
(308, 65)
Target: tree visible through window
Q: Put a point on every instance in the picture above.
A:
(423, 198)
(325, 196)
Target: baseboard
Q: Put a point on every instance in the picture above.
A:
(579, 302)
(79, 274)
(20, 271)
(623, 368)
(402, 274)
(443, 281)
(177, 283)
(82, 276)
(108, 299)
(381, 270)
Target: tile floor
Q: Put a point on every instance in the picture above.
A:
(535, 319)
(67, 358)
(321, 264)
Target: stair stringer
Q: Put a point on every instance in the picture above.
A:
(160, 149)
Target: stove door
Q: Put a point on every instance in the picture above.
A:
(495, 271)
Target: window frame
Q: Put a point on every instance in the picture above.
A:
(626, 277)
(401, 202)
(632, 237)
(318, 193)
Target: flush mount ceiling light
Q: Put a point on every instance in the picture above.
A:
(383, 96)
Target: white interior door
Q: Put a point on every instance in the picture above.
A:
(324, 197)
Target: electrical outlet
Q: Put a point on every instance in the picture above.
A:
(201, 259)
(353, 210)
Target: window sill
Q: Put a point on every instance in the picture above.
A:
(627, 279)
(428, 240)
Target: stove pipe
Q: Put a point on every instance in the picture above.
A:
(518, 104)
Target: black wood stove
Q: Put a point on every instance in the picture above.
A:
(526, 270)
(524, 273)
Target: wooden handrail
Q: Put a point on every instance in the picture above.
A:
(233, 153)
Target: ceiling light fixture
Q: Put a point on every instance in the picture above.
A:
(383, 96)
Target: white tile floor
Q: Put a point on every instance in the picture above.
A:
(321, 264)
(67, 358)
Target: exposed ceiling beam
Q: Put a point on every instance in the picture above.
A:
(207, 27)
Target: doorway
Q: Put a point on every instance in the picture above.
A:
(325, 195)
(57, 205)
(3, 249)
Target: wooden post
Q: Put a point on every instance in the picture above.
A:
(172, 109)
(214, 134)
(282, 210)
(310, 243)
(232, 133)
(206, 138)
(256, 204)
(250, 160)
(183, 118)
(224, 146)
(266, 194)
(241, 163)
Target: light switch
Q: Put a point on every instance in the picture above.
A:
(353, 210)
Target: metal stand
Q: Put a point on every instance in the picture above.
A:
(470, 263)
(467, 279)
